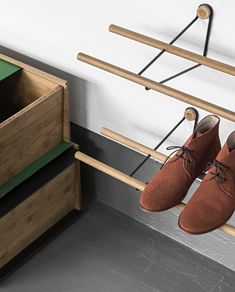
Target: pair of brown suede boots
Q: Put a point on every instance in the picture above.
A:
(214, 201)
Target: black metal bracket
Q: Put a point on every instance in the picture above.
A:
(196, 116)
(210, 18)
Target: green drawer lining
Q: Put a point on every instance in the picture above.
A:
(33, 167)
(7, 69)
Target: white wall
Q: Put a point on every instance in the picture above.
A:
(55, 31)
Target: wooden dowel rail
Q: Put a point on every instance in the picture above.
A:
(110, 171)
(133, 144)
(214, 64)
(132, 181)
(182, 96)
(136, 146)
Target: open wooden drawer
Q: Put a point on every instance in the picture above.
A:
(33, 116)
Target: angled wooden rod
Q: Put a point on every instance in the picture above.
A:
(110, 171)
(133, 144)
(131, 181)
(214, 64)
(182, 96)
(136, 146)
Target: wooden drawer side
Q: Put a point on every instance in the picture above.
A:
(36, 215)
(29, 136)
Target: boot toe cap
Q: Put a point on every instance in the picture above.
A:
(201, 219)
(158, 200)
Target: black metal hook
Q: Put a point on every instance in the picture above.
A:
(205, 50)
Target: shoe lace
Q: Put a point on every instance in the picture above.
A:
(220, 169)
(185, 154)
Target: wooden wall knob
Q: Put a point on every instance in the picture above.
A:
(190, 114)
(203, 11)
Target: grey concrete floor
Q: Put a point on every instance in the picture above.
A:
(108, 251)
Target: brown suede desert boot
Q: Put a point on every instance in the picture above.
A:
(214, 201)
(170, 185)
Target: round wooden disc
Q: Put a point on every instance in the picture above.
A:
(190, 114)
(203, 12)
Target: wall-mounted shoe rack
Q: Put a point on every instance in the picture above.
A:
(204, 12)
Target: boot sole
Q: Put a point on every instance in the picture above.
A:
(168, 208)
(206, 231)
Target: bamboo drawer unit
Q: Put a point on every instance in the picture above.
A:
(36, 206)
(33, 115)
